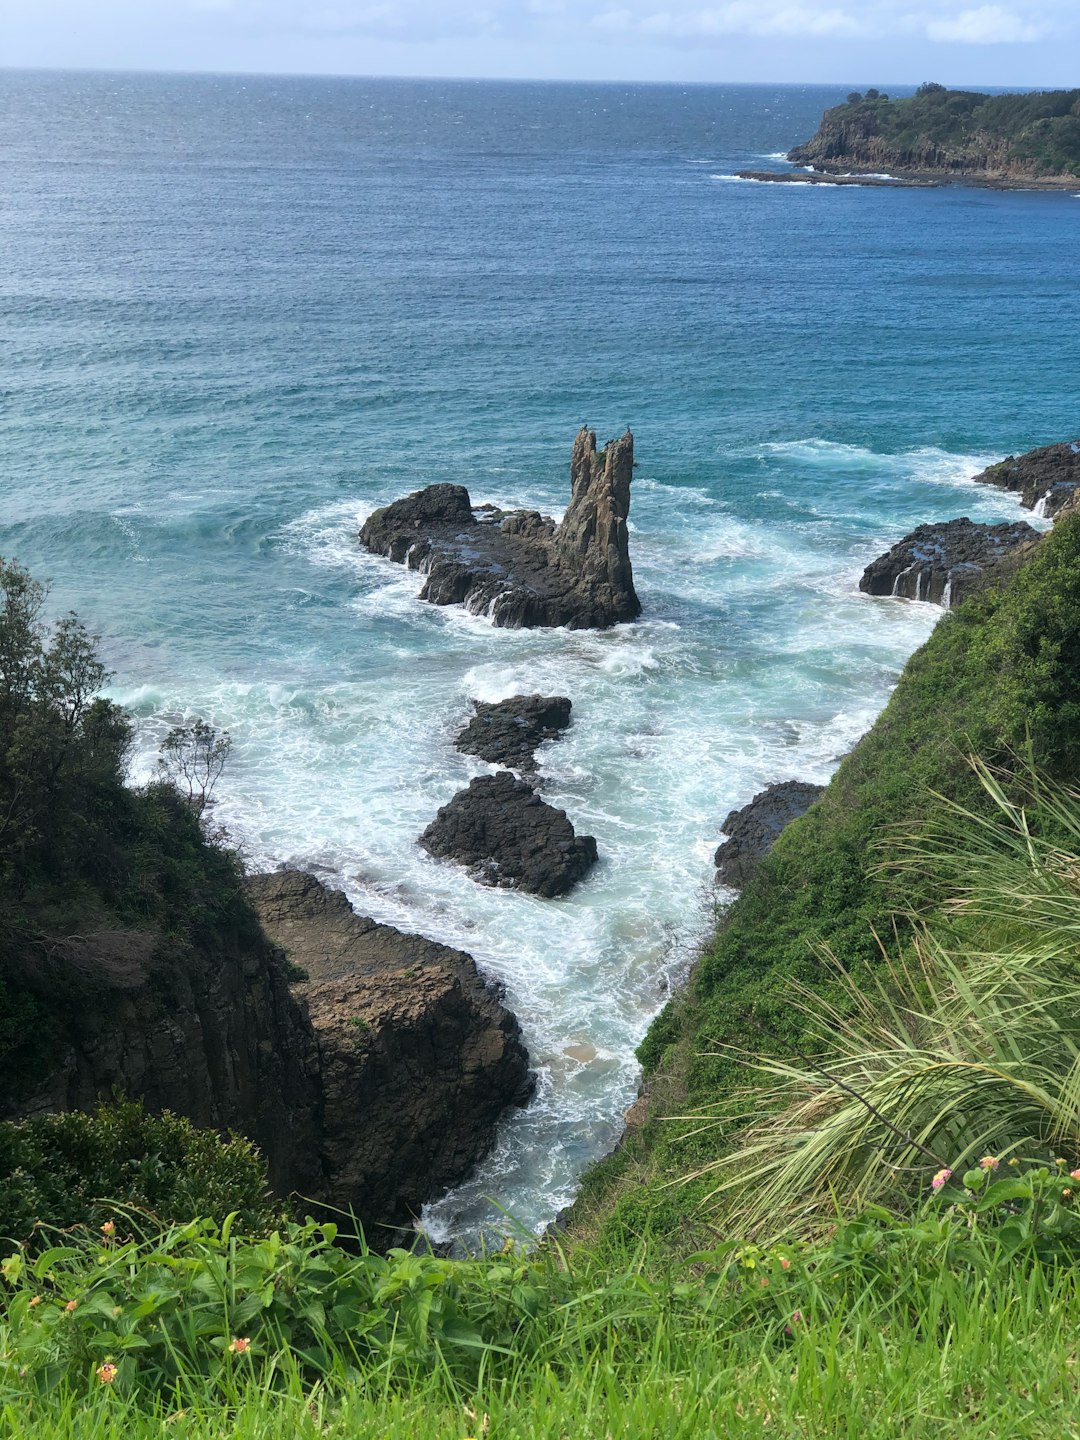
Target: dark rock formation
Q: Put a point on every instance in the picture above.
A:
(507, 732)
(418, 1057)
(521, 568)
(827, 177)
(508, 836)
(754, 828)
(1045, 479)
(212, 1033)
(944, 563)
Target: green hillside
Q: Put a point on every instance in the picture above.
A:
(951, 132)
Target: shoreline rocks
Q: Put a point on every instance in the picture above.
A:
(1046, 479)
(507, 732)
(520, 568)
(944, 563)
(752, 829)
(508, 837)
(417, 1055)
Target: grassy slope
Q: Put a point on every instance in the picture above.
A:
(999, 673)
(1039, 132)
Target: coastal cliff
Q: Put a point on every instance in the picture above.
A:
(958, 135)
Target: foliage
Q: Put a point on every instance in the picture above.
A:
(966, 1043)
(1037, 134)
(192, 758)
(937, 1325)
(61, 749)
(58, 1171)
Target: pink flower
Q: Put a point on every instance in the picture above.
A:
(940, 1178)
(106, 1373)
(1074, 1174)
(240, 1346)
(989, 1162)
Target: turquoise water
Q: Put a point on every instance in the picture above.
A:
(238, 314)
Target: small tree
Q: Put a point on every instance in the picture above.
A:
(930, 87)
(192, 757)
(854, 97)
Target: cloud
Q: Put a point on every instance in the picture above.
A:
(988, 25)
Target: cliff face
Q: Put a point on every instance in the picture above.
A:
(521, 569)
(951, 134)
(211, 1033)
(373, 1084)
(418, 1057)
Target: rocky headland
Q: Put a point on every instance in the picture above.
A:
(753, 828)
(507, 732)
(417, 1055)
(501, 830)
(944, 563)
(1046, 479)
(951, 136)
(519, 567)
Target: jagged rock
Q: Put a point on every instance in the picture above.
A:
(507, 732)
(508, 836)
(1046, 479)
(944, 563)
(520, 568)
(754, 828)
(418, 1057)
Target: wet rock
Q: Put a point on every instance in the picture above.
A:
(944, 563)
(417, 1054)
(507, 732)
(520, 568)
(500, 828)
(1046, 479)
(753, 828)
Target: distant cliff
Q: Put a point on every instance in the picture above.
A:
(952, 134)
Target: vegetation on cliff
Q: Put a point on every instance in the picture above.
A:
(951, 132)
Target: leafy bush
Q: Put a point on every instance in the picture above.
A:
(75, 1169)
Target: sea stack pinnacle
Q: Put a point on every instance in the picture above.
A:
(519, 567)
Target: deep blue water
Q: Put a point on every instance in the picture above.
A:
(239, 313)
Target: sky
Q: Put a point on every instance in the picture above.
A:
(1015, 43)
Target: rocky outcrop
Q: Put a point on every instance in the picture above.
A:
(753, 829)
(418, 1056)
(1046, 479)
(944, 563)
(500, 828)
(211, 1033)
(952, 136)
(520, 568)
(507, 732)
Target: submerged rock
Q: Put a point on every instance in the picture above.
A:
(1046, 479)
(508, 836)
(418, 1057)
(944, 563)
(507, 732)
(520, 568)
(754, 828)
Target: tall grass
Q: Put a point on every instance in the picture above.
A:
(965, 1044)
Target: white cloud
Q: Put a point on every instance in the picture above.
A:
(988, 25)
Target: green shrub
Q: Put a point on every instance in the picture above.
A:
(76, 1169)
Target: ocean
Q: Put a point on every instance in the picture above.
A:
(240, 313)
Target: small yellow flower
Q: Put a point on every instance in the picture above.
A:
(240, 1346)
(35, 1300)
(109, 1228)
(106, 1373)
